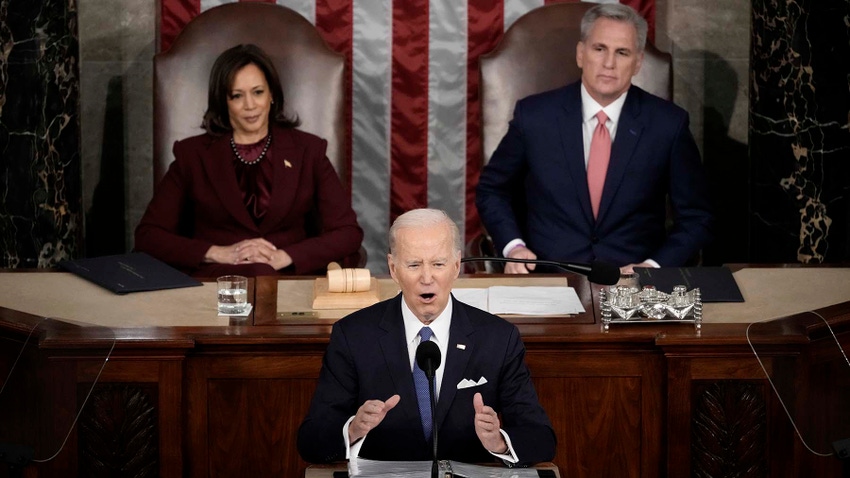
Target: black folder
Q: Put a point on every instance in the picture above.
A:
(716, 284)
(133, 272)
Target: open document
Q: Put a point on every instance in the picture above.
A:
(521, 300)
(363, 468)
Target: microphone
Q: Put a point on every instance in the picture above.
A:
(428, 359)
(597, 272)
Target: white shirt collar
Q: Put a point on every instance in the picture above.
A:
(589, 107)
(440, 325)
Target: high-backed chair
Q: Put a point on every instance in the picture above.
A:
(310, 72)
(536, 54)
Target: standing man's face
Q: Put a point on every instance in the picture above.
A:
(425, 265)
(608, 59)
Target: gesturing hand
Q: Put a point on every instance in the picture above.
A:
(487, 426)
(368, 416)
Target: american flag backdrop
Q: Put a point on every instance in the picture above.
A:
(412, 97)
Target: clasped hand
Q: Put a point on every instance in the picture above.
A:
(249, 251)
(486, 422)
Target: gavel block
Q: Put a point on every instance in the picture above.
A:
(345, 289)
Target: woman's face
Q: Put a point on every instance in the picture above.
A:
(248, 104)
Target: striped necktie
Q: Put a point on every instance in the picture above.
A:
(420, 381)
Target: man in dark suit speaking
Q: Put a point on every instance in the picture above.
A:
(594, 162)
(367, 403)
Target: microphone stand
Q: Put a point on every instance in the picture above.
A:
(542, 262)
(598, 272)
(431, 392)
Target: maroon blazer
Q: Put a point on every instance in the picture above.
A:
(198, 204)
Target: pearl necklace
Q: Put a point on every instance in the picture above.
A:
(261, 156)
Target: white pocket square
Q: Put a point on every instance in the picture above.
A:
(467, 383)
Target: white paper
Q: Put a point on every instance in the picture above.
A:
(534, 300)
(521, 300)
(363, 468)
(478, 471)
(474, 297)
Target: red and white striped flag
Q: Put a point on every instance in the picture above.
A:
(412, 81)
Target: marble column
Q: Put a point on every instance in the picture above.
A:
(40, 180)
(799, 135)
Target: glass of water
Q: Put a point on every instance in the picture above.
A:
(232, 294)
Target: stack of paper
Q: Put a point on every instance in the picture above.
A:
(363, 468)
(522, 300)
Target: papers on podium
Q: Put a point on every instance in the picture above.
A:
(521, 300)
(363, 468)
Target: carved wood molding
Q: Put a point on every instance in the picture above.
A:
(118, 433)
(729, 430)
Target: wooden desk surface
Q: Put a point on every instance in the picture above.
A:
(294, 297)
(768, 292)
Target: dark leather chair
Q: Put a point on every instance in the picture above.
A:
(536, 54)
(311, 74)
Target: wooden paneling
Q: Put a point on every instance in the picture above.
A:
(256, 420)
(250, 407)
(595, 416)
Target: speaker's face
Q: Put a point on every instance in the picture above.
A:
(248, 104)
(425, 265)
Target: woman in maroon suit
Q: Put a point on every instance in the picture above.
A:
(252, 196)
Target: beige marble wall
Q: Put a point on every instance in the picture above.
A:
(709, 41)
(117, 44)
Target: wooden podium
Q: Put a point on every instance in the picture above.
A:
(338, 471)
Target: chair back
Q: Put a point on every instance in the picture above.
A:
(536, 54)
(311, 75)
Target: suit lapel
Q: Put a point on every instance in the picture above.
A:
(629, 130)
(572, 144)
(217, 163)
(460, 332)
(394, 348)
(288, 160)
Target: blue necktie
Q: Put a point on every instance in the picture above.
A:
(421, 384)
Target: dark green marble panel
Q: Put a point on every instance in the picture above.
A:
(799, 136)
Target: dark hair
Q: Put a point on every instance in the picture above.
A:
(217, 119)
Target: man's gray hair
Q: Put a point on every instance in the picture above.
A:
(425, 218)
(617, 12)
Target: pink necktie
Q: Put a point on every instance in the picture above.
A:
(597, 161)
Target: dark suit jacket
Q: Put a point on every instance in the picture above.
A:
(367, 359)
(198, 204)
(542, 157)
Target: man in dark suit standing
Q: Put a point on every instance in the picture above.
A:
(367, 403)
(594, 162)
